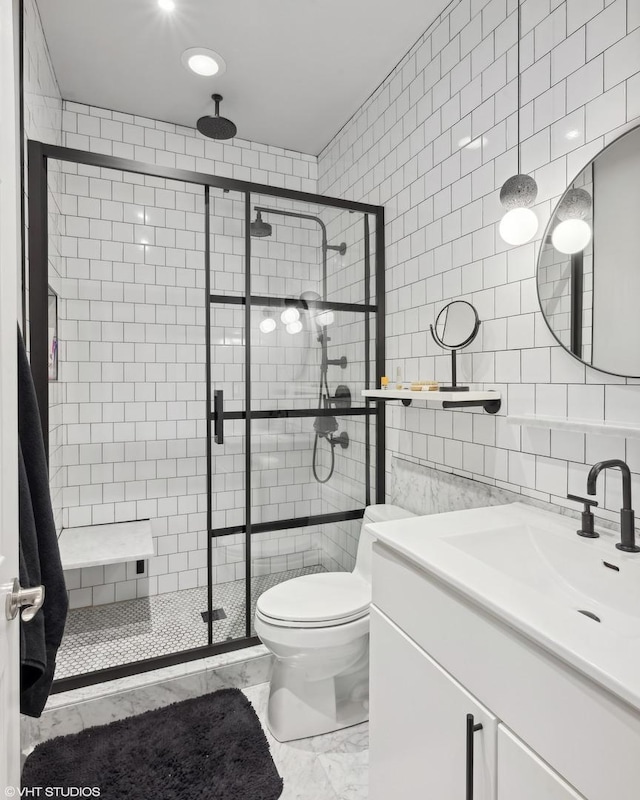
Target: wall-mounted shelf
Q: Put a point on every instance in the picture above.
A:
(626, 430)
(490, 401)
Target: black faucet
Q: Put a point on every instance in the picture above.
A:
(627, 517)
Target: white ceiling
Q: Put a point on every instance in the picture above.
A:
(296, 69)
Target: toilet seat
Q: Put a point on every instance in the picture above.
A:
(316, 601)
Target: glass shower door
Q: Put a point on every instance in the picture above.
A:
(226, 612)
(312, 351)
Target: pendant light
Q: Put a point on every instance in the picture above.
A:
(519, 223)
(573, 233)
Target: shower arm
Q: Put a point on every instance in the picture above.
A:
(339, 248)
(323, 229)
(323, 338)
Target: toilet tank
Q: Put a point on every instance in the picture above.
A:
(382, 512)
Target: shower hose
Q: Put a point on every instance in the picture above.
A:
(323, 386)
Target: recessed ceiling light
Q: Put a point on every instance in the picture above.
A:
(167, 5)
(203, 61)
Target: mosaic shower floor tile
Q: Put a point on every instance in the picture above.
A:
(98, 637)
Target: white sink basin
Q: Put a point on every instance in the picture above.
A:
(531, 570)
(584, 575)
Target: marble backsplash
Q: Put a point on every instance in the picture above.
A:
(424, 490)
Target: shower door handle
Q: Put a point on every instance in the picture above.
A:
(218, 416)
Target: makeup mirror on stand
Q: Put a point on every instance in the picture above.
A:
(456, 327)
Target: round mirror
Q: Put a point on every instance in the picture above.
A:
(456, 325)
(588, 272)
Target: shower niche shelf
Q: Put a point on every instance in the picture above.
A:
(112, 543)
(490, 401)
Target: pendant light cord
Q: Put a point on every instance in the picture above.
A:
(519, 81)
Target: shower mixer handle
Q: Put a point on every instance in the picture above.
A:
(338, 362)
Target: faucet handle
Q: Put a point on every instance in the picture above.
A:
(585, 500)
(587, 516)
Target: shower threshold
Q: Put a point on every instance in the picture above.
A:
(98, 637)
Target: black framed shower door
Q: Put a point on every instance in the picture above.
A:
(248, 411)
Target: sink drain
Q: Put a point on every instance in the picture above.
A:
(589, 614)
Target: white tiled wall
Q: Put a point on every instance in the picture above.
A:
(133, 364)
(153, 142)
(129, 453)
(402, 149)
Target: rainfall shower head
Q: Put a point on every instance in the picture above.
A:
(259, 228)
(216, 127)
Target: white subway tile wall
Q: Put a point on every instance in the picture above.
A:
(153, 142)
(433, 144)
(285, 368)
(135, 432)
(133, 364)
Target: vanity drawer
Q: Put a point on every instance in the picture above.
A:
(581, 730)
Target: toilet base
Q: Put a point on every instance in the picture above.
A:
(299, 707)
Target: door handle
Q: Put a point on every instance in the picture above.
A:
(218, 415)
(30, 600)
(472, 727)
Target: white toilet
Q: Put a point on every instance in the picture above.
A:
(317, 627)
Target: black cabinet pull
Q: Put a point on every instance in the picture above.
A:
(218, 415)
(471, 729)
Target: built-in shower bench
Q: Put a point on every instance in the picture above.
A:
(113, 543)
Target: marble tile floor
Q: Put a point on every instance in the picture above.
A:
(334, 766)
(102, 703)
(98, 637)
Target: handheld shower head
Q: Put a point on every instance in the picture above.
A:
(325, 426)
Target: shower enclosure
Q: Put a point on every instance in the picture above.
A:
(214, 339)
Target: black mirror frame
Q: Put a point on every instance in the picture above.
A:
(469, 339)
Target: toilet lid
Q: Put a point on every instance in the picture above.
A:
(323, 597)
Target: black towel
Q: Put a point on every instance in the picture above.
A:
(39, 553)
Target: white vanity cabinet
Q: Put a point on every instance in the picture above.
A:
(477, 612)
(523, 776)
(418, 743)
(547, 733)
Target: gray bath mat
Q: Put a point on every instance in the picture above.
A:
(210, 747)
